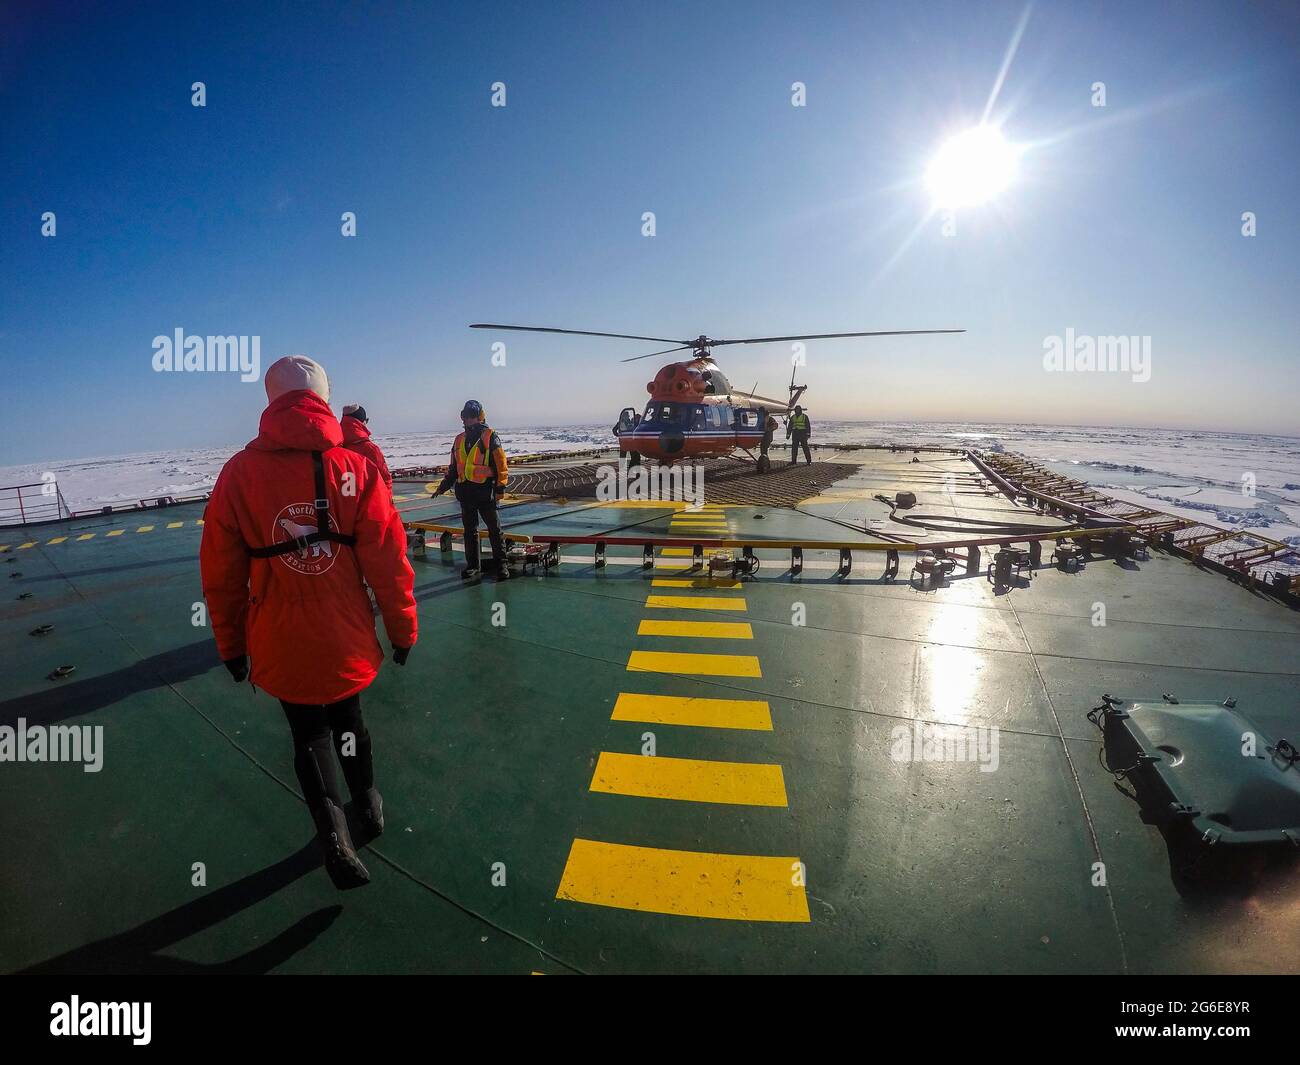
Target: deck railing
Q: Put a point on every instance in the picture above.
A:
(27, 504)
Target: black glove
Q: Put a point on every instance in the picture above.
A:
(399, 655)
(238, 668)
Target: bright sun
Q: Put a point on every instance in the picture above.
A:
(971, 168)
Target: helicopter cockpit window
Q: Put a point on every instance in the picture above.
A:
(708, 382)
(747, 419)
(663, 415)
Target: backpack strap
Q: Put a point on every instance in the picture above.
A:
(323, 529)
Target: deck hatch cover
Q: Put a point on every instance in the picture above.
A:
(1195, 756)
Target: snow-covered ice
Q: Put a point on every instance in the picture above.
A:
(1204, 475)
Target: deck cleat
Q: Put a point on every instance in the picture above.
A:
(1068, 556)
(932, 567)
(1008, 566)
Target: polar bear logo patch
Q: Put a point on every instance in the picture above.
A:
(294, 522)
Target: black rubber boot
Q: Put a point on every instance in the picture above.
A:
(469, 573)
(341, 861)
(370, 812)
(502, 573)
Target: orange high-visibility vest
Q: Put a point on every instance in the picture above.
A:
(474, 465)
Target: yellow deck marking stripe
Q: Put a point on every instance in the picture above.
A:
(695, 602)
(721, 583)
(676, 552)
(86, 536)
(658, 504)
(198, 521)
(689, 780)
(698, 525)
(4, 547)
(751, 714)
(56, 540)
(30, 543)
(145, 528)
(115, 532)
(735, 887)
(708, 630)
(175, 524)
(702, 665)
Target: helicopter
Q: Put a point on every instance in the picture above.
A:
(694, 412)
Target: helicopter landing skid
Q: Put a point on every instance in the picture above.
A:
(762, 462)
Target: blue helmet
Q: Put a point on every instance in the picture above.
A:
(472, 409)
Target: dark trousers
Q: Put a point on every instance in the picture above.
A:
(471, 509)
(796, 442)
(314, 729)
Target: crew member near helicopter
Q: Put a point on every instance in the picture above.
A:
(799, 429)
(479, 471)
(769, 430)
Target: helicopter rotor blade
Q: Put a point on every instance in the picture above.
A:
(835, 336)
(574, 332)
(652, 354)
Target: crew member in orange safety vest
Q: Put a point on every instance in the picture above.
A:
(479, 471)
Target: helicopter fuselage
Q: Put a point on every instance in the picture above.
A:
(692, 414)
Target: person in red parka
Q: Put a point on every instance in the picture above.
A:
(356, 437)
(292, 597)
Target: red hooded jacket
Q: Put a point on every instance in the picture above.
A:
(356, 437)
(304, 618)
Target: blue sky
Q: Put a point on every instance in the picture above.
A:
(771, 219)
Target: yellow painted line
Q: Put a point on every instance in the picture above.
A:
(698, 525)
(676, 552)
(733, 887)
(708, 630)
(4, 547)
(754, 714)
(30, 543)
(198, 521)
(689, 779)
(695, 664)
(56, 540)
(175, 524)
(695, 602)
(659, 504)
(145, 528)
(85, 536)
(721, 583)
(115, 532)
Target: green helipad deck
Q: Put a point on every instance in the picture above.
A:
(849, 774)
